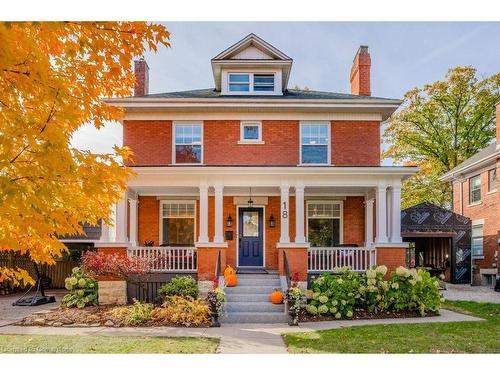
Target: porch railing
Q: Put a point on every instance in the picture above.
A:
(326, 259)
(167, 259)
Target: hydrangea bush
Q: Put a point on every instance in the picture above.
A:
(406, 290)
(82, 290)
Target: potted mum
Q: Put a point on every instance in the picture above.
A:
(216, 300)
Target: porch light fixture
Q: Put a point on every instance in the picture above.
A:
(229, 221)
(272, 222)
(250, 201)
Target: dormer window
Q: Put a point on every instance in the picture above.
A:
(250, 82)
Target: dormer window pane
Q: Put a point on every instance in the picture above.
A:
(239, 82)
(263, 82)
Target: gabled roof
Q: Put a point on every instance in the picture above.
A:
(250, 52)
(480, 159)
(253, 40)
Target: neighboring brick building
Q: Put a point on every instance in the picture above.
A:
(475, 195)
(251, 170)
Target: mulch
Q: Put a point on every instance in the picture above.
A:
(359, 314)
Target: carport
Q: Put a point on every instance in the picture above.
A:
(439, 240)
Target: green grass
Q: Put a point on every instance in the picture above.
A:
(29, 344)
(458, 337)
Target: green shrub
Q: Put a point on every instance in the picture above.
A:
(135, 314)
(413, 290)
(336, 294)
(182, 286)
(82, 290)
(183, 311)
(373, 290)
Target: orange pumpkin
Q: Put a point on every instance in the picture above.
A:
(228, 271)
(277, 297)
(231, 280)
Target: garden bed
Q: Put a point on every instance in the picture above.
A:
(94, 316)
(360, 314)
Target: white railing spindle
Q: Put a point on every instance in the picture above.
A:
(358, 259)
(166, 258)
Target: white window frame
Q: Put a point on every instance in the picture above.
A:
(341, 225)
(471, 202)
(478, 224)
(161, 217)
(329, 145)
(251, 83)
(174, 129)
(242, 132)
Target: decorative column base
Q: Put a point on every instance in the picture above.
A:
(297, 262)
(391, 257)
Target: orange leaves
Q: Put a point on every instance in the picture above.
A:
(53, 76)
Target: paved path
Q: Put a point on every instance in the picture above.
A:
(471, 293)
(10, 314)
(240, 338)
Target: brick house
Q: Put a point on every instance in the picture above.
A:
(250, 172)
(475, 195)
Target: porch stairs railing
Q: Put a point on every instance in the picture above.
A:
(167, 259)
(326, 259)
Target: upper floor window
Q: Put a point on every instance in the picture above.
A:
(475, 189)
(477, 240)
(314, 143)
(492, 180)
(250, 132)
(188, 143)
(250, 82)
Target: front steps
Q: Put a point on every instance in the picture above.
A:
(248, 302)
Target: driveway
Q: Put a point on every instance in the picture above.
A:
(10, 314)
(471, 293)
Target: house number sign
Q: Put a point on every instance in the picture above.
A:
(284, 212)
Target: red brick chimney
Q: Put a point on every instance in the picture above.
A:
(360, 72)
(141, 70)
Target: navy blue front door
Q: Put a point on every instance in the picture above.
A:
(250, 234)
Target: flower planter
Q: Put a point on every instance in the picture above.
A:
(112, 292)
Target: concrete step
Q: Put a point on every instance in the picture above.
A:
(272, 283)
(254, 317)
(245, 297)
(254, 289)
(257, 276)
(253, 307)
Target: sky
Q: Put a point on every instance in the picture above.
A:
(404, 55)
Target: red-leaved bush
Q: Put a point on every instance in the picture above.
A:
(97, 263)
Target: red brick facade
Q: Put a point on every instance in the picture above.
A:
(391, 257)
(151, 143)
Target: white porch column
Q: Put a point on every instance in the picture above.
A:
(299, 214)
(133, 222)
(121, 219)
(203, 237)
(389, 213)
(396, 213)
(285, 213)
(369, 221)
(105, 233)
(381, 201)
(219, 235)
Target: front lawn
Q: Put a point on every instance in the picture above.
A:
(457, 337)
(30, 344)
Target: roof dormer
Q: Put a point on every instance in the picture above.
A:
(251, 67)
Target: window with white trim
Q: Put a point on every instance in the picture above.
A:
(492, 180)
(477, 240)
(314, 143)
(177, 223)
(324, 223)
(188, 143)
(251, 82)
(475, 189)
(250, 131)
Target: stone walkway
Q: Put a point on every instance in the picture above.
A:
(240, 338)
(471, 293)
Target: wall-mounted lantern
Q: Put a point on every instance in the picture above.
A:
(272, 222)
(229, 221)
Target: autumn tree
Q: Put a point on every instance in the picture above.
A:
(439, 126)
(52, 78)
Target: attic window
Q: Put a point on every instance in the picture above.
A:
(251, 82)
